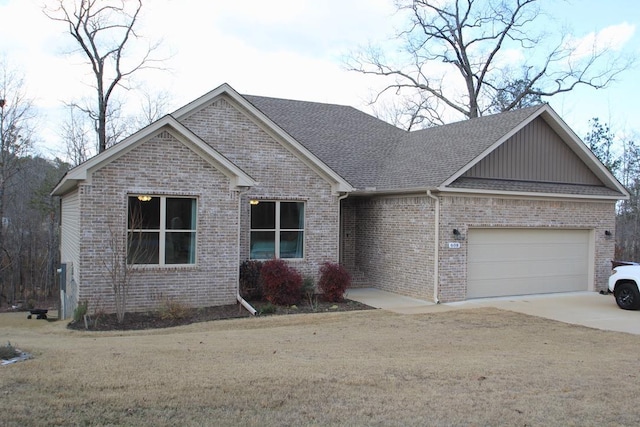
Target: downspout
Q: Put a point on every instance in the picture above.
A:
(340, 199)
(436, 261)
(241, 300)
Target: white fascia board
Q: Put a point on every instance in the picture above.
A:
(83, 172)
(581, 150)
(338, 184)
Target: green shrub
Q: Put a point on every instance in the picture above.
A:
(334, 281)
(250, 286)
(281, 284)
(80, 311)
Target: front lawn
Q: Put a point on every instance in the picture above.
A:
(460, 367)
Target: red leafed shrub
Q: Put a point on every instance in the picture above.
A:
(334, 281)
(281, 284)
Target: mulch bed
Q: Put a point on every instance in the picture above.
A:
(154, 319)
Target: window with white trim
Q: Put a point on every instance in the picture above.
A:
(277, 229)
(161, 230)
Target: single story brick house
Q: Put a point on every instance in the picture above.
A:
(507, 204)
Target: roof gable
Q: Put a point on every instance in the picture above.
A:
(82, 172)
(535, 153)
(273, 128)
(587, 169)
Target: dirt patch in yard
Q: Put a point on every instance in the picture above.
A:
(165, 318)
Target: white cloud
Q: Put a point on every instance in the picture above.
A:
(613, 38)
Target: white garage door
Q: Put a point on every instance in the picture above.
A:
(504, 262)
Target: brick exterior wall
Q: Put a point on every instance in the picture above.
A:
(164, 166)
(390, 244)
(281, 176)
(390, 241)
(161, 166)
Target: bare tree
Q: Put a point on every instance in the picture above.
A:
(16, 116)
(125, 249)
(458, 56)
(153, 106)
(75, 133)
(105, 33)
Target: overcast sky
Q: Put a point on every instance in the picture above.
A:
(282, 48)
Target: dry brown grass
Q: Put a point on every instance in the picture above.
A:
(462, 367)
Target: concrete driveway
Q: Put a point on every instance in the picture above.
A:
(581, 308)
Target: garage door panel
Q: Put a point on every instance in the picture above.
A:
(526, 268)
(505, 262)
(507, 287)
(514, 254)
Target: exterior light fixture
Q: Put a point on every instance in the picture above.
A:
(253, 202)
(457, 234)
(607, 233)
(144, 198)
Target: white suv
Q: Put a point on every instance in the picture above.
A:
(624, 284)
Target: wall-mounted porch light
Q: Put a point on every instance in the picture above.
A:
(253, 202)
(144, 198)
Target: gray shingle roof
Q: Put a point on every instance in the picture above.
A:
(350, 142)
(429, 157)
(372, 154)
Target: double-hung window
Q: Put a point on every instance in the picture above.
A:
(277, 229)
(161, 230)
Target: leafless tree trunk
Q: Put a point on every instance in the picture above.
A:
(105, 32)
(455, 58)
(125, 250)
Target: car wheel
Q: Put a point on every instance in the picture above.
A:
(627, 296)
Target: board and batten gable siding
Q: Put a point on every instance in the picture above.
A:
(280, 175)
(535, 153)
(70, 245)
(161, 166)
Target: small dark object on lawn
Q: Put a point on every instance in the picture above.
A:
(39, 312)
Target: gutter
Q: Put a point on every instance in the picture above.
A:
(241, 300)
(340, 199)
(436, 263)
(245, 304)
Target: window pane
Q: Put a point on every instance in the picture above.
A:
(180, 248)
(291, 215)
(144, 215)
(291, 244)
(263, 216)
(144, 248)
(263, 244)
(181, 214)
